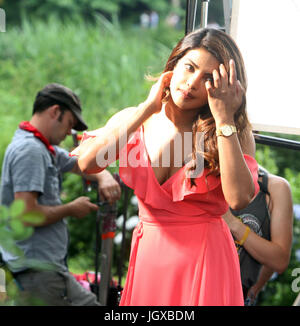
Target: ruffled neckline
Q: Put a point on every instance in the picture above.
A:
(180, 184)
(177, 187)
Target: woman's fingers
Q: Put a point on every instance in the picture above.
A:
(110, 195)
(166, 78)
(209, 87)
(224, 75)
(163, 81)
(217, 79)
(220, 77)
(232, 72)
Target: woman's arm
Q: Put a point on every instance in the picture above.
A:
(108, 188)
(264, 276)
(97, 153)
(225, 96)
(237, 181)
(274, 254)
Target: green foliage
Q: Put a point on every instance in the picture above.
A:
(265, 157)
(283, 156)
(278, 291)
(17, 208)
(98, 62)
(13, 228)
(127, 10)
(13, 225)
(294, 180)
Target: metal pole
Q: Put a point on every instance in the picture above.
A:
(190, 19)
(108, 233)
(227, 7)
(122, 253)
(204, 13)
(277, 142)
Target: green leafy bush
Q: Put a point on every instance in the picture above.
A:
(14, 227)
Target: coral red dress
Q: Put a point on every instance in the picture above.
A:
(182, 252)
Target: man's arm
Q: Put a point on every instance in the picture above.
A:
(78, 208)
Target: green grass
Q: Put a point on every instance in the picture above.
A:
(104, 64)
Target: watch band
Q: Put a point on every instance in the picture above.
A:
(226, 130)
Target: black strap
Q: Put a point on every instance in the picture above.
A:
(264, 183)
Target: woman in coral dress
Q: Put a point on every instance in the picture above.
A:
(187, 152)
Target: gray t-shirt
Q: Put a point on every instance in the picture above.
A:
(29, 167)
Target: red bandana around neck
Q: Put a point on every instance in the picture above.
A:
(26, 125)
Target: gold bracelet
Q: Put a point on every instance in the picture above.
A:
(245, 236)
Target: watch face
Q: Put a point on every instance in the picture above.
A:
(226, 130)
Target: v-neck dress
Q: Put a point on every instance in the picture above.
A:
(182, 251)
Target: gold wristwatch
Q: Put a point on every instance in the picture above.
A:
(226, 130)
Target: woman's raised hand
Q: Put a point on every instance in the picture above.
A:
(153, 101)
(225, 94)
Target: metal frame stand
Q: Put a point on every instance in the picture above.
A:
(105, 223)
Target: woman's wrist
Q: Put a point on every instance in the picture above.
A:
(224, 121)
(239, 230)
(147, 108)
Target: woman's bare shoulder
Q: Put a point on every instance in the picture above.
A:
(278, 183)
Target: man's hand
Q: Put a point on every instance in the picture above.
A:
(81, 207)
(109, 189)
(78, 208)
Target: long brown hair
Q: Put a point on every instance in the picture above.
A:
(223, 48)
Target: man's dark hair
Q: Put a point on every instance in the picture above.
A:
(56, 94)
(42, 103)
